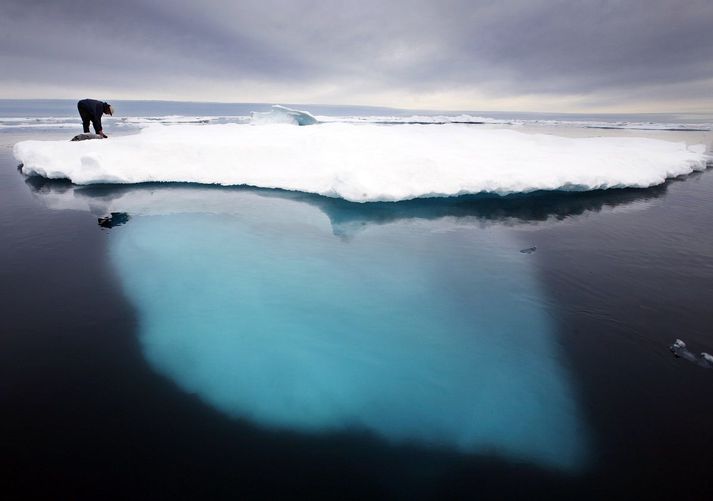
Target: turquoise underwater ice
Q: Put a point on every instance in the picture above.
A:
(424, 332)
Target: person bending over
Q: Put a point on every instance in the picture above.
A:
(92, 110)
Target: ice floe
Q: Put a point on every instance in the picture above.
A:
(366, 162)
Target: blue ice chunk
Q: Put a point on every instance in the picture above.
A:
(416, 335)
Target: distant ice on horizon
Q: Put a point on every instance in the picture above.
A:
(282, 115)
(141, 121)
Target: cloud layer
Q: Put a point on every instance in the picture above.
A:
(636, 55)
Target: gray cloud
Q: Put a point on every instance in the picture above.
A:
(609, 52)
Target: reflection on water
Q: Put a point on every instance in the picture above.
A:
(345, 217)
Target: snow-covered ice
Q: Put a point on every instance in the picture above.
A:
(365, 162)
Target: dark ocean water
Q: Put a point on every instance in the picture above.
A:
(120, 375)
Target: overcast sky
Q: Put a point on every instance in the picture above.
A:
(530, 55)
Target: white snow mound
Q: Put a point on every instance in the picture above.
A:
(365, 162)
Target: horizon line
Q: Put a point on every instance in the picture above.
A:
(396, 108)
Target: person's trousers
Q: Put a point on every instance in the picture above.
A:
(86, 118)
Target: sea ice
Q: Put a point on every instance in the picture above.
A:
(677, 345)
(365, 162)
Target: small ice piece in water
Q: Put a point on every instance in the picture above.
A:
(679, 350)
(529, 250)
(677, 344)
(707, 357)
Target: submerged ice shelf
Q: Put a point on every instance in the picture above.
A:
(268, 317)
(365, 162)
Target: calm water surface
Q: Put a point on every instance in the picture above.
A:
(237, 342)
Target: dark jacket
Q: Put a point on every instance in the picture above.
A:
(91, 110)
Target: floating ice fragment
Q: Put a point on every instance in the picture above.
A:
(677, 344)
(679, 350)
